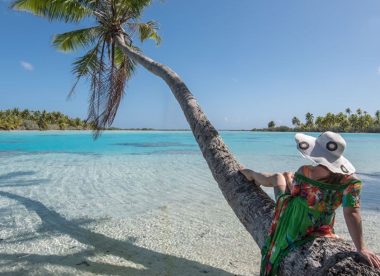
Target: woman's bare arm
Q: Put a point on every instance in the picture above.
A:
(264, 179)
(268, 179)
(353, 220)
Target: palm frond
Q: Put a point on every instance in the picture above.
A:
(71, 41)
(148, 30)
(105, 65)
(66, 10)
(86, 65)
(132, 8)
(108, 90)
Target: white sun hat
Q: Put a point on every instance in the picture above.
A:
(325, 150)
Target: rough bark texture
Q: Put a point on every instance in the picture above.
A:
(252, 205)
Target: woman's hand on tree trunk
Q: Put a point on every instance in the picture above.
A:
(289, 179)
(371, 257)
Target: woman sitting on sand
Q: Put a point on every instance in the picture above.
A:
(306, 201)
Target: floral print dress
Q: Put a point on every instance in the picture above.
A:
(308, 211)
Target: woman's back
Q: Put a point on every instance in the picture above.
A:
(322, 196)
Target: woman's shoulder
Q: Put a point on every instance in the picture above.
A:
(353, 178)
(303, 170)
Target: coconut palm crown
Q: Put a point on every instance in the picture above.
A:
(104, 64)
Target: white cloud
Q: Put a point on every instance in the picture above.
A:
(27, 66)
(378, 70)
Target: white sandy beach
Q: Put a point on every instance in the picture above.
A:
(39, 241)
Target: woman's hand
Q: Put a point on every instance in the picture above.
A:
(247, 173)
(289, 179)
(371, 257)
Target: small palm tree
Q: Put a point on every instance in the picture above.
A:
(309, 120)
(348, 111)
(377, 116)
(104, 64)
(271, 124)
(296, 122)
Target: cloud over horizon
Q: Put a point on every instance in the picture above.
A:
(27, 66)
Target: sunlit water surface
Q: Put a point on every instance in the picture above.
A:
(125, 175)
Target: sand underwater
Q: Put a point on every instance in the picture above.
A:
(142, 203)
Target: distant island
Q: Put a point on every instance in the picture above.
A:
(360, 121)
(348, 121)
(15, 119)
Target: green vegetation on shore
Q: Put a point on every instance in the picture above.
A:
(360, 121)
(15, 119)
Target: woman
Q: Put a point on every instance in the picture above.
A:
(306, 201)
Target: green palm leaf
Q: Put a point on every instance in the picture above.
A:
(146, 30)
(67, 10)
(105, 65)
(86, 65)
(71, 41)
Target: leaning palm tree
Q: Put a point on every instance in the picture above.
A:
(109, 63)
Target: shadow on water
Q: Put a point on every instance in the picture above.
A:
(154, 263)
(12, 179)
(155, 145)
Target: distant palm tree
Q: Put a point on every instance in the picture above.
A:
(319, 123)
(355, 122)
(25, 114)
(341, 122)
(348, 111)
(377, 116)
(271, 124)
(309, 120)
(296, 122)
(329, 121)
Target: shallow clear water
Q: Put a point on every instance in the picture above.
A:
(147, 170)
(142, 203)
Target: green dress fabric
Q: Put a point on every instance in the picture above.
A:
(304, 213)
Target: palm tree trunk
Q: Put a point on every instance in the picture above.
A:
(252, 205)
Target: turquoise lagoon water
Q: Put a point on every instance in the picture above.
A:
(146, 170)
(142, 203)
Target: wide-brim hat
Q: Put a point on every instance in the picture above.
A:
(326, 150)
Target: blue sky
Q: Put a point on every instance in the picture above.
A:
(247, 62)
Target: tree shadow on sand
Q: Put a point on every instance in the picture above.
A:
(153, 263)
(14, 179)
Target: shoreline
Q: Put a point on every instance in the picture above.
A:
(168, 130)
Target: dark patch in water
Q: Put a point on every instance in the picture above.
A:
(154, 145)
(167, 152)
(14, 179)
(176, 152)
(11, 142)
(9, 153)
(18, 153)
(15, 174)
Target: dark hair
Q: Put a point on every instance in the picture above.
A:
(332, 178)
